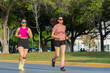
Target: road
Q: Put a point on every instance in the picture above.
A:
(6, 67)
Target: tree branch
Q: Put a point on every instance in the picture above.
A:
(12, 33)
(106, 34)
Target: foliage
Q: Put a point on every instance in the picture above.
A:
(80, 16)
(90, 39)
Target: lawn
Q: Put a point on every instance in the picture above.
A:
(85, 57)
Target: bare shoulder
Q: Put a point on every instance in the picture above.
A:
(18, 29)
(29, 28)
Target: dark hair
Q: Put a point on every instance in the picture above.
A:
(53, 21)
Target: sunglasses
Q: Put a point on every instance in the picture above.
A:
(24, 22)
(60, 19)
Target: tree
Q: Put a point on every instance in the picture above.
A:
(79, 19)
(75, 12)
(7, 20)
(100, 21)
(7, 8)
(37, 7)
(90, 38)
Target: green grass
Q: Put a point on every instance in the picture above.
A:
(86, 57)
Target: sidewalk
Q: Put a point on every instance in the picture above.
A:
(66, 63)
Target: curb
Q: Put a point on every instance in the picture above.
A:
(102, 65)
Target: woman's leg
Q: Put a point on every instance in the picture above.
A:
(25, 51)
(57, 52)
(20, 49)
(62, 55)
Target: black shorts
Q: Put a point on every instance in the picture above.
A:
(59, 43)
(23, 43)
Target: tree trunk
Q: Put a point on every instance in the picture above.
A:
(72, 42)
(72, 39)
(44, 47)
(5, 45)
(43, 44)
(5, 20)
(102, 43)
(35, 11)
(101, 37)
(5, 48)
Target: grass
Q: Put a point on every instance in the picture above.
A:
(85, 57)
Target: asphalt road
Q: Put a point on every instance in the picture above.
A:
(37, 68)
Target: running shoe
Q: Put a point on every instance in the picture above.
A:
(62, 69)
(20, 67)
(53, 62)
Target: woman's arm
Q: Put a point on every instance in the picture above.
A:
(66, 38)
(17, 33)
(53, 32)
(53, 35)
(65, 34)
(30, 33)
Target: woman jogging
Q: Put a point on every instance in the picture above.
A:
(23, 44)
(58, 33)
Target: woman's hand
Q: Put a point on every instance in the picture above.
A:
(19, 35)
(57, 37)
(28, 32)
(66, 38)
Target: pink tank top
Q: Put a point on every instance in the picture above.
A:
(23, 32)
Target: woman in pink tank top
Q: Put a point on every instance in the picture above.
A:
(23, 43)
(58, 33)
